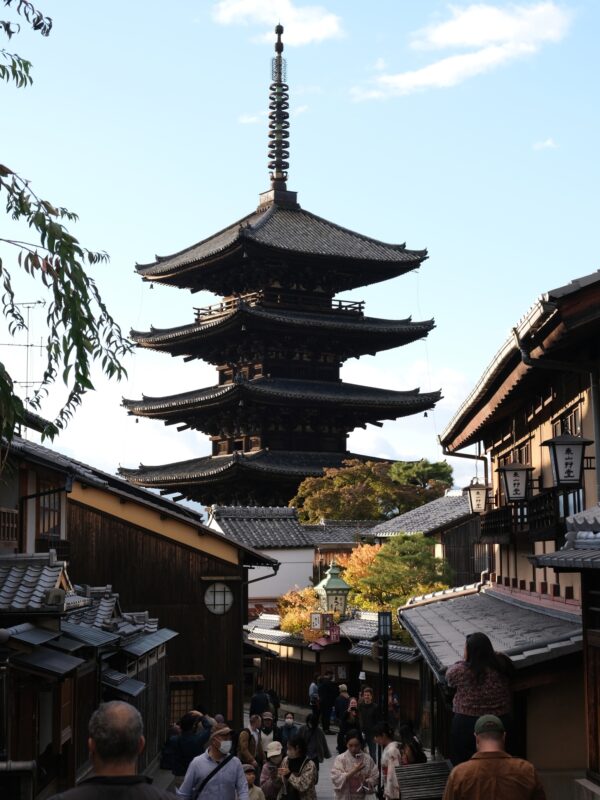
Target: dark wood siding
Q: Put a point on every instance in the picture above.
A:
(169, 580)
(466, 557)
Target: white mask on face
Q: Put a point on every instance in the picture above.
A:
(225, 748)
(289, 722)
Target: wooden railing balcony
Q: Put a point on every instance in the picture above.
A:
(9, 525)
(539, 518)
(274, 299)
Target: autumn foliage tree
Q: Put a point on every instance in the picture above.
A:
(295, 607)
(370, 489)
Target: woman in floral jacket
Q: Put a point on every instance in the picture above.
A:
(298, 772)
(354, 772)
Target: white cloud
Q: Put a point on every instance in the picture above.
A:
(545, 144)
(303, 25)
(299, 110)
(496, 36)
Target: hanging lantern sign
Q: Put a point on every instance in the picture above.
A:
(515, 481)
(566, 457)
(477, 496)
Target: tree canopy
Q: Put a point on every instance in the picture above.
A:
(371, 489)
(81, 330)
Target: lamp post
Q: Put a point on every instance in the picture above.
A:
(566, 457)
(477, 493)
(333, 590)
(384, 634)
(515, 481)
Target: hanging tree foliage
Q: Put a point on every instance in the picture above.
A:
(81, 331)
(371, 489)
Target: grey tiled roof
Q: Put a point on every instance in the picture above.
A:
(46, 660)
(362, 626)
(264, 621)
(527, 633)
(276, 462)
(261, 526)
(581, 550)
(31, 634)
(575, 559)
(322, 393)
(291, 230)
(340, 531)
(273, 636)
(426, 518)
(397, 653)
(355, 326)
(25, 580)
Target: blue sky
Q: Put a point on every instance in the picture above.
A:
(469, 129)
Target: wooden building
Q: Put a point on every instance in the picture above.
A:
(278, 337)
(449, 522)
(542, 382)
(158, 556)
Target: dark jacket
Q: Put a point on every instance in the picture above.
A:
(186, 747)
(369, 715)
(259, 703)
(341, 706)
(328, 691)
(118, 787)
(316, 743)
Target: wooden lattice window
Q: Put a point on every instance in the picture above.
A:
(182, 701)
(49, 510)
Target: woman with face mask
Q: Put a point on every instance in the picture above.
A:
(270, 781)
(354, 773)
(288, 729)
(349, 722)
(297, 772)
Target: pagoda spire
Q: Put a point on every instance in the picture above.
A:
(279, 145)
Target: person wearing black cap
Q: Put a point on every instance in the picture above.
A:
(492, 774)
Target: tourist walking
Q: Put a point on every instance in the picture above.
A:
(270, 780)
(217, 774)
(192, 740)
(269, 731)
(250, 749)
(298, 773)
(260, 701)
(288, 729)
(354, 773)
(115, 743)
(349, 722)
(328, 691)
(391, 757)
(491, 773)
(482, 686)
(368, 715)
(254, 792)
(316, 743)
(341, 703)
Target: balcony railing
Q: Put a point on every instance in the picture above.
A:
(9, 525)
(275, 299)
(539, 518)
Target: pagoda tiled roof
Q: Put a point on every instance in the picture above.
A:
(269, 390)
(288, 230)
(282, 463)
(404, 329)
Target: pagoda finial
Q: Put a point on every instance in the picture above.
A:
(279, 135)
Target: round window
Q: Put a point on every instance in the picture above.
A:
(218, 598)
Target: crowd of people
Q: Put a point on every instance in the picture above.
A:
(271, 761)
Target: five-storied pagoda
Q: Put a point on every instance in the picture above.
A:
(278, 338)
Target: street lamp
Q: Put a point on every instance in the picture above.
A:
(477, 493)
(333, 590)
(384, 634)
(566, 457)
(515, 481)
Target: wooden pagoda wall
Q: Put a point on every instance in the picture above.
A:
(167, 578)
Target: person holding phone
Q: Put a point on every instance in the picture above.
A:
(354, 773)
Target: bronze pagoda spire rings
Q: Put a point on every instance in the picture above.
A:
(279, 124)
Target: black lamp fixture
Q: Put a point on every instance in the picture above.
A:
(384, 625)
(515, 481)
(477, 493)
(566, 457)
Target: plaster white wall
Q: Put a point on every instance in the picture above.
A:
(296, 566)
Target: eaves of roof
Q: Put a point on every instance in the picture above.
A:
(463, 428)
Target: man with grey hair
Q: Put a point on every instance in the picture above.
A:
(116, 739)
